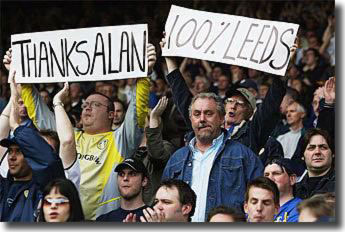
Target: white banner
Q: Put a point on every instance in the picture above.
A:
(86, 54)
(258, 44)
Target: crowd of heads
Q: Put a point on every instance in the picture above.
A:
(101, 107)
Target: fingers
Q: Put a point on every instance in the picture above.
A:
(150, 215)
(66, 86)
(142, 219)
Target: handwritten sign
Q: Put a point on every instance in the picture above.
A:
(252, 43)
(86, 54)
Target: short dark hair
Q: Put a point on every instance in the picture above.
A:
(317, 131)
(264, 183)
(110, 104)
(222, 209)
(185, 192)
(50, 134)
(124, 106)
(67, 189)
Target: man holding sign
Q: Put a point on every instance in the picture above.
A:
(252, 133)
(99, 149)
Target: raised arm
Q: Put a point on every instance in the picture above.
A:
(64, 129)
(159, 151)
(5, 115)
(181, 94)
(44, 162)
(129, 134)
(267, 114)
(38, 111)
(326, 119)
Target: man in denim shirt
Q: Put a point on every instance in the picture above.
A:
(216, 167)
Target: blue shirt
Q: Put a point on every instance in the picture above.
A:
(288, 212)
(202, 164)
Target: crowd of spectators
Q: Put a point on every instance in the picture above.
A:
(279, 164)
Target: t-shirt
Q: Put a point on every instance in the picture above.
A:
(120, 214)
(288, 212)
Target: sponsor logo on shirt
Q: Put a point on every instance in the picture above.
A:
(91, 158)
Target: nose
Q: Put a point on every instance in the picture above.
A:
(202, 117)
(259, 207)
(53, 205)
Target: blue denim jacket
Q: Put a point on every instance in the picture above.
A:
(234, 166)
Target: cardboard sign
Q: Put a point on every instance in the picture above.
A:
(87, 54)
(252, 43)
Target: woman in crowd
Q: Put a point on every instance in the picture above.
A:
(61, 202)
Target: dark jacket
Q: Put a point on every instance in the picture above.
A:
(233, 167)
(326, 184)
(46, 166)
(253, 133)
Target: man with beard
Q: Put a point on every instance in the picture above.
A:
(215, 167)
(132, 178)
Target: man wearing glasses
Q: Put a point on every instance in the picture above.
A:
(240, 107)
(90, 155)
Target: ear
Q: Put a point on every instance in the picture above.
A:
(111, 115)
(144, 182)
(186, 209)
(293, 179)
(245, 207)
(277, 207)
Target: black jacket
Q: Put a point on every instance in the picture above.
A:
(326, 184)
(253, 133)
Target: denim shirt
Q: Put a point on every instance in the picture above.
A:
(233, 167)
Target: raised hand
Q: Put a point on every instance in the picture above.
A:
(62, 94)
(151, 57)
(329, 90)
(293, 50)
(160, 107)
(171, 61)
(8, 59)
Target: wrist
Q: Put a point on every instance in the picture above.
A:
(58, 103)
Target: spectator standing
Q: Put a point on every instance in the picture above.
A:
(132, 178)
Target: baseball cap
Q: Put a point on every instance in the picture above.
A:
(8, 142)
(132, 163)
(289, 165)
(246, 94)
(248, 83)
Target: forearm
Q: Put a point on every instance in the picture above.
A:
(4, 121)
(65, 132)
(171, 64)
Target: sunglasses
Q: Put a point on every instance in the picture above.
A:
(57, 201)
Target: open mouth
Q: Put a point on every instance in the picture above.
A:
(231, 114)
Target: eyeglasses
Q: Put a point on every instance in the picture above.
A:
(92, 104)
(57, 201)
(236, 102)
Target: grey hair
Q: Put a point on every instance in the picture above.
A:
(216, 98)
(300, 108)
